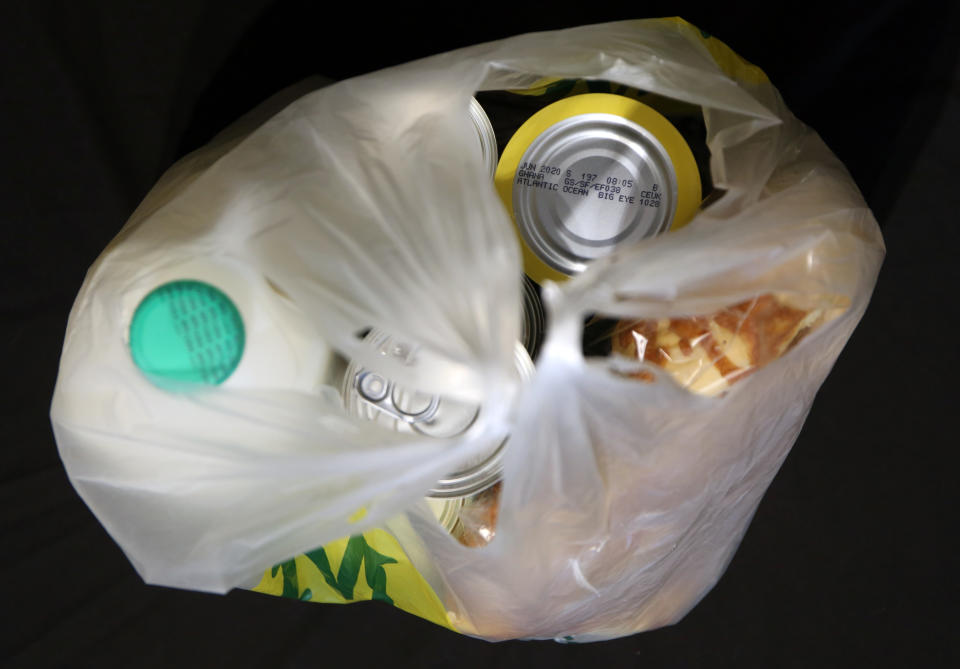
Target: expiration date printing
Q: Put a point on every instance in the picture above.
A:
(615, 189)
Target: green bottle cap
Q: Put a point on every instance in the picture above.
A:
(186, 333)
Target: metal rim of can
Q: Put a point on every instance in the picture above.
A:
(533, 324)
(621, 121)
(462, 483)
(486, 136)
(446, 510)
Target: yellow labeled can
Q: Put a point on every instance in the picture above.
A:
(589, 173)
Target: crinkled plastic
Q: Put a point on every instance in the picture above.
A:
(365, 204)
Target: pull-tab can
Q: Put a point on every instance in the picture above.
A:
(369, 395)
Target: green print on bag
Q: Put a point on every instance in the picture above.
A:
(331, 575)
(358, 552)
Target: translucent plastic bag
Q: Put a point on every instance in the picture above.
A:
(365, 205)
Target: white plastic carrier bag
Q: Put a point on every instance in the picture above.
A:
(200, 408)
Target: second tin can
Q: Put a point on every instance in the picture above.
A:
(370, 395)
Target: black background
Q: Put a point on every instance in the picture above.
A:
(848, 561)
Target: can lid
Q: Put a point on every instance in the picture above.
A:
(369, 395)
(186, 332)
(486, 136)
(590, 172)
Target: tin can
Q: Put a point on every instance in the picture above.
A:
(485, 136)
(369, 395)
(509, 109)
(589, 173)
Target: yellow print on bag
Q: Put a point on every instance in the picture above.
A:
(726, 58)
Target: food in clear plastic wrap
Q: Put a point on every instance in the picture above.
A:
(707, 354)
(477, 518)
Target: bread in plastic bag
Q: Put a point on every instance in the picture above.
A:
(364, 205)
